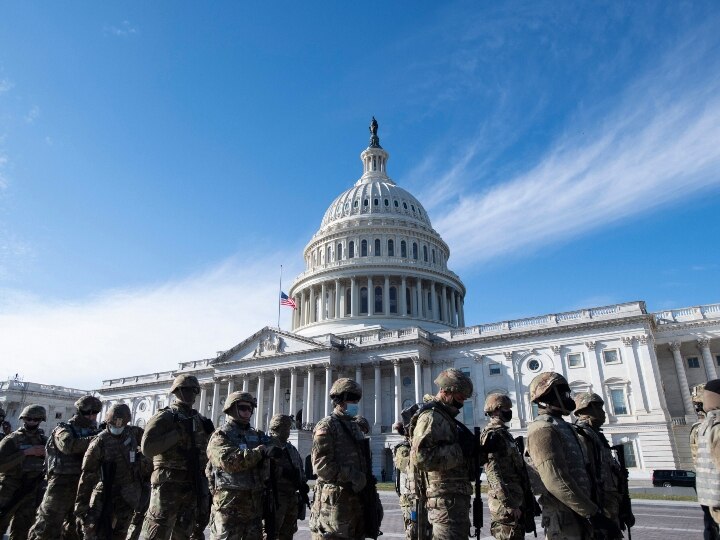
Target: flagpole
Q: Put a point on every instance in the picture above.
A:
(278, 297)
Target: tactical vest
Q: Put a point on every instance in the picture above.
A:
(405, 481)
(610, 472)
(57, 461)
(247, 480)
(177, 456)
(23, 439)
(693, 441)
(290, 458)
(707, 481)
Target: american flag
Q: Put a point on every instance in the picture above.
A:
(285, 300)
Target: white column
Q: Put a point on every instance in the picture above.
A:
(386, 296)
(371, 297)
(328, 385)
(422, 300)
(310, 396)
(682, 379)
(293, 386)
(433, 299)
(427, 378)
(323, 301)
(353, 298)
(413, 300)
(203, 400)
(245, 383)
(596, 370)
(651, 372)
(259, 413)
(453, 306)
(338, 313)
(636, 398)
(418, 380)
(378, 398)
(215, 402)
(403, 299)
(704, 346)
(296, 311)
(444, 304)
(312, 312)
(358, 374)
(276, 393)
(154, 403)
(231, 385)
(398, 389)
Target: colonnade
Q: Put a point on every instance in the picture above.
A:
(373, 295)
(703, 347)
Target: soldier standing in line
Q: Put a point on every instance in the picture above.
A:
(442, 452)
(292, 486)
(609, 476)
(145, 469)
(708, 451)
(711, 532)
(404, 481)
(176, 440)
(504, 470)
(337, 511)
(568, 510)
(238, 468)
(22, 468)
(109, 488)
(65, 450)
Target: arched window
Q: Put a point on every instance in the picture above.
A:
(328, 257)
(391, 248)
(415, 251)
(393, 300)
(376, 202)
(433, 254)
(425, 257)
(378, 300)
(429, 301)
(351, 249)
(363, 248)
(348, 301)
(378, 251)
(397, 205)
(363, 300)
(314, 259)
(408, 304)
(366, 202)
(387, 202)
(403, 249)
(338, 252)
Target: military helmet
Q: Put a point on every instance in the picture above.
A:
(584, 399)
(455, 381)
(237, 397)
(119, 411)
(351, 389)
(697, 393)
(89, 403)
(34, 411)
(185, 381)
(280, 421)
(543, 382)
(497, 401)
(363, 424)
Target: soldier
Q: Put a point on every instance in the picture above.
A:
(442, 452)
(239, 469)
(65, 450)
(712, 532)
(363, 424)
(708, 451)
(504, 468)
(22, 467)
(176, 440)
(404, 481)
(340, 464)
(109, 489)
(568, 510)
(292, 486)
(146, 467)
(608, 473)
(2, 421)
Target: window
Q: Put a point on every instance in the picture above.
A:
(376, 202)
(413, 207)
(415, 251)
(405, 205)
(378, 300)
(348, 301)
(363, 248)
(629, 451)
(393, 300)
(58, 416)
(397, 205)
(408, 304)
(429, 301)
(378, 251)
(425, 255)
(533, 365)
(328, 258)
(693, 362)
(611, 356)
(338, 252)
(617, 395)
(366, 203)
(355, 204)
(363, 300)
(391, 248)
(495, 369)
(717, 359)
(433, 255)
(407, 381)
(351, 250)
(575, 360)
(387, 202)
(403, 249)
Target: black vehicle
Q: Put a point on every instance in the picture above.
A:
(668, 478)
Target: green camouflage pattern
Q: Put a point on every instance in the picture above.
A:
(455, 381)
(543, 382)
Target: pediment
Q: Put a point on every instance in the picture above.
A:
(270, 342)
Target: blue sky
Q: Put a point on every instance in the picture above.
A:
(158, 162)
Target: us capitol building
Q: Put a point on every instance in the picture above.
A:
(378, 302)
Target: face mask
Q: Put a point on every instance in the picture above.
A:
(352, 409)
(283, 434)
(31, 427)
(505, 416)
(186, 395)
(116, 430)
(457, 404)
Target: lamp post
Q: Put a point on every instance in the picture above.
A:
(287, 399)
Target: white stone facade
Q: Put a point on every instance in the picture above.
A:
(395, 344)
(59, 401)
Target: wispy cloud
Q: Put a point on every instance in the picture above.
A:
(5, 85)
(658, 144)
(33, 114)
(129, 332)
(125, 29)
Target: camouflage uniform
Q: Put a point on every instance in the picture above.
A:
(558, 458)
(405, 486)
(697, 397)
(110, 461)
(442, 466)
(177, 481)
(21, 476)
(290, 479)
(65, 450)
(504, 470)
(238, 473)
(708, 451)
(337, 511)
(146, 467)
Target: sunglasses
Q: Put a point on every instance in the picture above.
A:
(89, 413)
(245, 408)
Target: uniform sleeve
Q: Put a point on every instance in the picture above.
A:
(402, 457)
(160, 435)
(714, 445)
(225, 455)
(327, 464)
(67, 443)
(89, 476)
(433, 453)
(549, 459)
(10, 455)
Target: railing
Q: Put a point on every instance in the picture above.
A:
(140, 378)
(695, 313)
(22, 386)
(679, 421)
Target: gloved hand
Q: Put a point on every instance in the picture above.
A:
(601, 522)
(272, 452)
(358, 481)
(629, 520)
(304, 488)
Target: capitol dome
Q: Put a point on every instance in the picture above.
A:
(375, 242)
